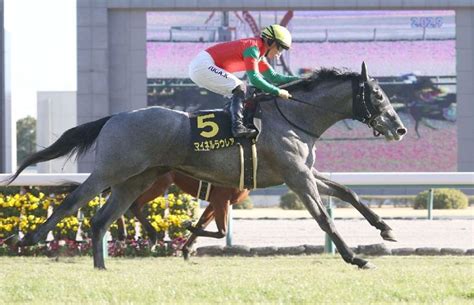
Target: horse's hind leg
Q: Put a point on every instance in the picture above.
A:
(75, 200)
(158, 188)
(331, 188)
(136, 210)
(122, 196)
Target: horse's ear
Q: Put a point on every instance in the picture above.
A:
(363, 73)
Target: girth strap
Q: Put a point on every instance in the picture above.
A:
(248, 163)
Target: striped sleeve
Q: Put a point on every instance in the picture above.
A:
(276, 78)
(251, 56)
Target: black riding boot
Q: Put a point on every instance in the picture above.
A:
(236, 113)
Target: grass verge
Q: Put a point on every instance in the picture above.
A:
(237, 280)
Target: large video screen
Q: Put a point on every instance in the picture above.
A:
(410, 53)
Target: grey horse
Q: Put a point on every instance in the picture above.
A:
(134, 148)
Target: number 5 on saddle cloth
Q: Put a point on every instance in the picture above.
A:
(211, 130)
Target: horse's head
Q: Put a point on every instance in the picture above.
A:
(372, 106)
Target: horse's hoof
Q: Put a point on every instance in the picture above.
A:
(368, 266)
(388, 235)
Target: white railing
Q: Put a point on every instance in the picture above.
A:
(428, 179)
(401, 179)
(43, 179)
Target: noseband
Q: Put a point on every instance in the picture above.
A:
(362, 108)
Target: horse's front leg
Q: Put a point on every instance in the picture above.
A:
(206, 217)
(220, 211)
(332, 188)
(303, 183)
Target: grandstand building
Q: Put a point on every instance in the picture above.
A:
(7, 126)
(112, 38)
(112, 50)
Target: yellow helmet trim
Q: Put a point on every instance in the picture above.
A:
(278, 33)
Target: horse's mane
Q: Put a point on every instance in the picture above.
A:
(321, 75)
(333, 74)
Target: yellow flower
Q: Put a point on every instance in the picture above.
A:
(32, 198)
(156, 226)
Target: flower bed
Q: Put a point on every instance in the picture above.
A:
(25, 212)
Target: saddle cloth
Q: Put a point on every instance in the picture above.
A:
(211, 130)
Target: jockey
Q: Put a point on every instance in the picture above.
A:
(212, 69)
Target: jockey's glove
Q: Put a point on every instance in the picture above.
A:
(284, 94)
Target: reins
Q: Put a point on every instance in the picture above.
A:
(362, 110)
(315, 135)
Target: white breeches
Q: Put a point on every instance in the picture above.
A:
(204, 72)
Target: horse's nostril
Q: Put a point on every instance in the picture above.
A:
(401, 131)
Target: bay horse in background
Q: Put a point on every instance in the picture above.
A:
(220, 198)
(134, 148)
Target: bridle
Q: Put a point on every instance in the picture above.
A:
(362, 108)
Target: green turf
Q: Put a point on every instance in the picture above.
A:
(288, 280)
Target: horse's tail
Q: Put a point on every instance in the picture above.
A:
(75, 140)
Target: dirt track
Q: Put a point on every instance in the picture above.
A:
(454, 233)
